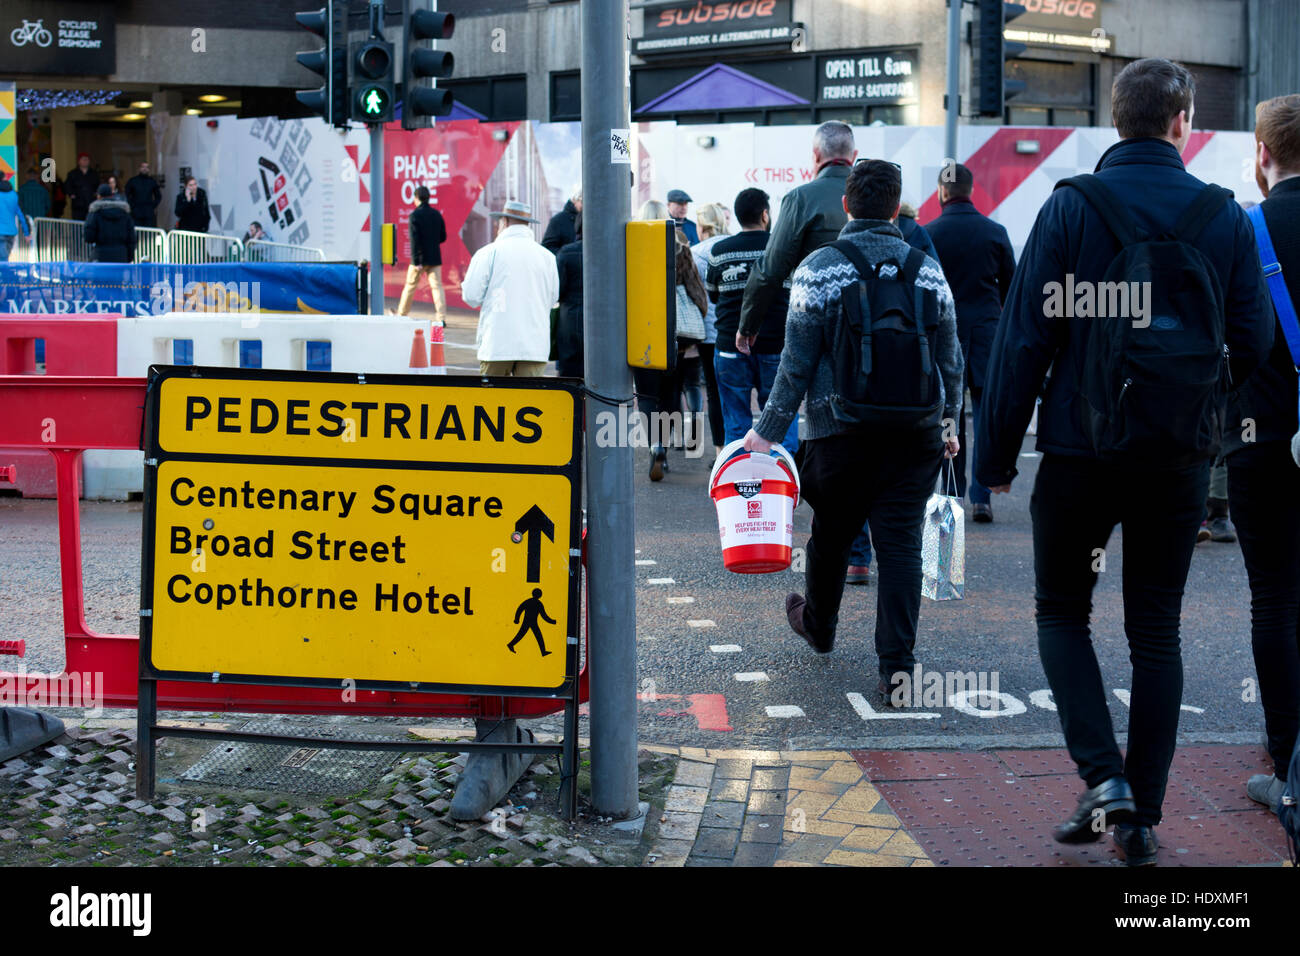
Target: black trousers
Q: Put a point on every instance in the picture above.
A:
(1075, 506)
(1264, 495)
(886, 478)
(716, 429)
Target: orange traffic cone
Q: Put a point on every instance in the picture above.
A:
(419, 353)
(437, 358)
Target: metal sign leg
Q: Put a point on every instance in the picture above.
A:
(146, 720)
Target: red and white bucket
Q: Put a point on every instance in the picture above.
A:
(755, 495)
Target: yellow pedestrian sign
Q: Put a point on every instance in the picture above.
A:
(393, 533)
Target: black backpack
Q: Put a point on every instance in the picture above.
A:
(1155, 393)
(882, 361)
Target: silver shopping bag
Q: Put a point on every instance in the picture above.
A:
(943, 546)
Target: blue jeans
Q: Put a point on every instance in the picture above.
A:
(979, 495)
(860, 553)
(6, 246)
(737, 375)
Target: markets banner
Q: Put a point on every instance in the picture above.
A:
(155, 288)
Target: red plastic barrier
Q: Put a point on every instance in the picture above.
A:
(94, 412)
(74, 345)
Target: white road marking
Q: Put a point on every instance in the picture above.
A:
(865, 711)
(784, 710)
(1043, 699)
(661, 581)
(1125, 696)
(1007, 705)
(1030, 454)
(681, 599)
(645, 562)
(751, 676)
(725, 648)
(702, 623)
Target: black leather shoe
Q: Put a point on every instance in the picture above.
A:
(981, 513)
(794, 605)
(886, 694)
(1109, 802)
(1137, 843)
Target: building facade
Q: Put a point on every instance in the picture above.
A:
(869, 61)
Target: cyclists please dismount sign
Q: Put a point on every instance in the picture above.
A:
(309, 528)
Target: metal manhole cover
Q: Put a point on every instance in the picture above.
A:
(297, 769)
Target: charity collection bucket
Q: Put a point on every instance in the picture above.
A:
(755, 494)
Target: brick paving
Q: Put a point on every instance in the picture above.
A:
(72, 802)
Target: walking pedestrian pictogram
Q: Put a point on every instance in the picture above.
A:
(531, 609)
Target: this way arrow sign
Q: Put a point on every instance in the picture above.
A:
(534, 524)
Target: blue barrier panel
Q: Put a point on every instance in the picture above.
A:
(320, 357)
(250, 353)
(150, 288)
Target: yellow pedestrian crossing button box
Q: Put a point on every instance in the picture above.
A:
(651, 294)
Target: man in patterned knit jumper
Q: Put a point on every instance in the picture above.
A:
(881, 474)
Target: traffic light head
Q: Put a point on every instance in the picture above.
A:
(329, 62)
(992, 52)
(372, 81)
(420, 100)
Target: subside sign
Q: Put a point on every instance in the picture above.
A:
(403, 531)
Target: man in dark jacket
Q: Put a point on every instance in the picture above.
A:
(1079, 497)
(568, 332)
(730, 261)
(80, 187)
(192, 212)
(978, 263)
(851, 473)
(33, 197)
(428, 233)
(109, 228)
(914, 234)
(811, 216)
(678, 200)
(143, 194)
(1263, 479)
(563, 227)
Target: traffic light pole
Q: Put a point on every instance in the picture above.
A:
(606, 207)
(376, 218)
(954, 79)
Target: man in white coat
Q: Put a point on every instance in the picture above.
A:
(513, 282)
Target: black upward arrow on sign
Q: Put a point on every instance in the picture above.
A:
(534, 524)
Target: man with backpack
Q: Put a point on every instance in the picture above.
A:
(978, 263)
(1139, 291)
(1263, 477)
(871, 340)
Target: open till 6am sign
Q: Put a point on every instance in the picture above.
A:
(391, 531)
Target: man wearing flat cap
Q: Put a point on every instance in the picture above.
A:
(677, 203)
(513, 282)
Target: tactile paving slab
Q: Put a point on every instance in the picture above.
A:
(998, 808)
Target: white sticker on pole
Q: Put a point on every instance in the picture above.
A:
(620, 146)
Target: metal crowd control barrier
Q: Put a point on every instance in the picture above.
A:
(150, 244)
(107, 412)
(261, 250)
(196, 248)
(63, 240)
(60, 240)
